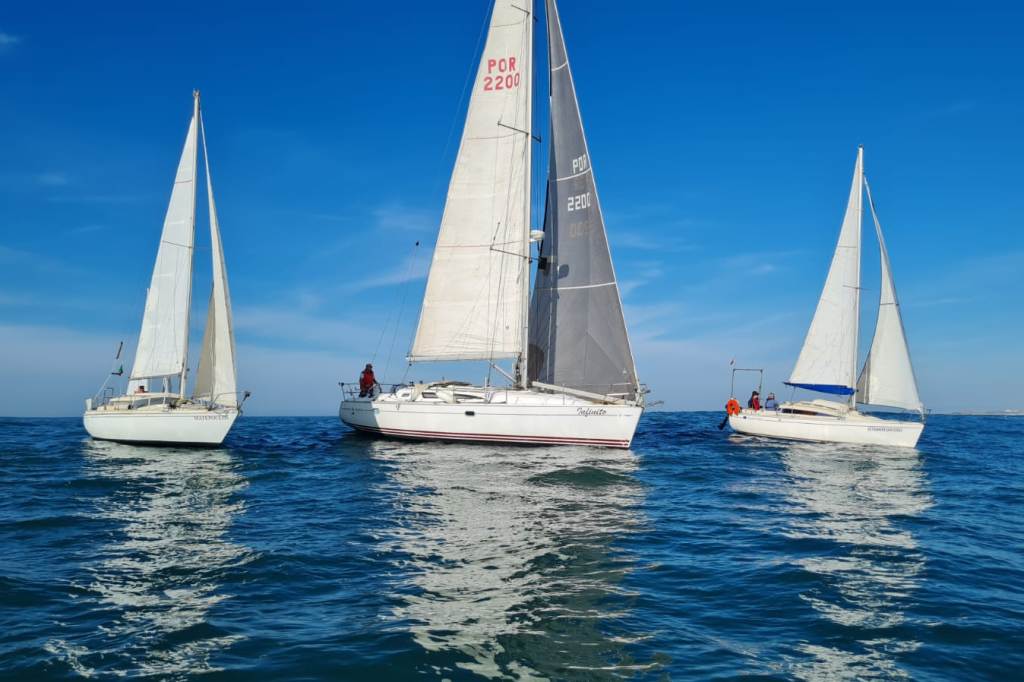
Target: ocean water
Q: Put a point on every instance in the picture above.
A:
(301, 550)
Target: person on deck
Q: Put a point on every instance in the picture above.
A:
(755, 401)
(366, 381)
(140, 389)
(770, 402)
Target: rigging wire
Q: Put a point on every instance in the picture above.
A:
(401, 307)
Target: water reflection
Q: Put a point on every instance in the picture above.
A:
(857, 500)
(158, 574)
(507, 558)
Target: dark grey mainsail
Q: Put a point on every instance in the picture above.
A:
(577, 331)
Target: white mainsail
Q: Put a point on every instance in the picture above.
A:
(163, 341)
(828, 359)
(216, 378)
(474, 307)
(888, 376)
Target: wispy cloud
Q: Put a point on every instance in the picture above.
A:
(954, 108)
(414, 268)
(8, 41)
(87, 229)
(645, 273)
(399, 217)
(52, 179)
(97, 199)
(11, 257)
(296, 327)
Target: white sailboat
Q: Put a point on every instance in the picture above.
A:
(154, 408)
(574, 380)
(828, 360)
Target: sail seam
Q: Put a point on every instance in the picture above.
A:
(580, 286)
(184, 246)
(575, 175)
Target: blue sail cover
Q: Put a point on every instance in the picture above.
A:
(824, 388)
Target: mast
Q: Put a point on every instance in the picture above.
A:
(192, 252)
(524, 356)
(856, 285)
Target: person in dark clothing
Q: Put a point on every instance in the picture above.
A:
(367, 381)
(755, 401)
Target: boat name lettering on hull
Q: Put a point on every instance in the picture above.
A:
(591, 411)
(209, 417)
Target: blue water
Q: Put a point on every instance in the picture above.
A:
(302, 551)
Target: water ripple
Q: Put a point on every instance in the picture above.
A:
(301, 550)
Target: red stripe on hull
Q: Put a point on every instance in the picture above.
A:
(489, 438)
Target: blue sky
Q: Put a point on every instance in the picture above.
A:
(723, 137)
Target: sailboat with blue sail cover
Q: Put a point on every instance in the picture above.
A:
(828, 360)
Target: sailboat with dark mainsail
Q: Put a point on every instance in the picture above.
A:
(573, 380)
(828, 360)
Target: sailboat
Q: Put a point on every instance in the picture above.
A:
(828, 361)
(155, 407)
(574, 379)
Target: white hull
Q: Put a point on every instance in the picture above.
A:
(183, 425)
(852, 427)
(523, 417)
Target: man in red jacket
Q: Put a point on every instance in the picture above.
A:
(366, 381)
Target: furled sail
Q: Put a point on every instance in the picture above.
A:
(163, 341)
(475, 299)
(888, 376)
(828, 359)
(215, 379)
(578, 333)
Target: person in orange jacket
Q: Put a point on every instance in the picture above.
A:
(367, 381)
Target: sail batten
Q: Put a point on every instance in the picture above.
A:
(829, 354)
(577, 336)
(887, 378)
(162, 350)
(476, 295)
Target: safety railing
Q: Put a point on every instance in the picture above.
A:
(351, 391)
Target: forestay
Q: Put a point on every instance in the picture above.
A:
(828, 359)
(888, 376)
(215, 379)
(475, 298)
(163, 341)
(577, 331)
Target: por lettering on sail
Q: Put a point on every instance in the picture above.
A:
(502, 74)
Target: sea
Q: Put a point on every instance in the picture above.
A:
(303, 551)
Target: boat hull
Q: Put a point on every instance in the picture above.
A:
(596, 425)
(172, 427)
(851, 428)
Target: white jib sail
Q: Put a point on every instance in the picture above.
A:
(216, 378)
(163, 341)
(474, 305)
(888, 376)
(828, 359)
